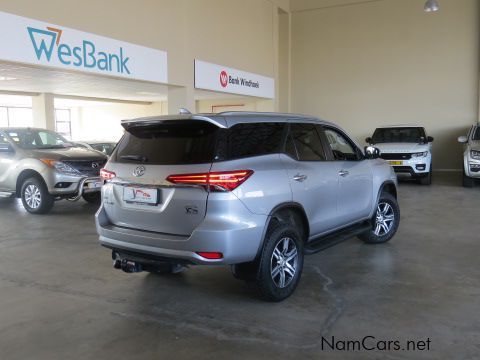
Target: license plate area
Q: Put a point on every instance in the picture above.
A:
(141, 195)
(94, 185)
(395, 162)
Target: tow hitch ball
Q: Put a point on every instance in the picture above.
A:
(127, 265)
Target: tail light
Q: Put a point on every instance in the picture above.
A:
(107, 174)
(210, 255)
(215, 181)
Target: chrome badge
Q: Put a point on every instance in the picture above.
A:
(139, 171)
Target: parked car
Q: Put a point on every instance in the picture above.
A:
(105, 147)
(253, 190)
(40, 166)
(471, 156)
(407, 148)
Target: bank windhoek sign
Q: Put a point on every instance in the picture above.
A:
(34, 42)
(215, 77)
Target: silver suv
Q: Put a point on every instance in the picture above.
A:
(471, 156)
(253, 190)
(40, 166)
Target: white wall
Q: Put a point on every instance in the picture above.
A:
(387, 62)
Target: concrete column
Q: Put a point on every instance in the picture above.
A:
(43, 109)
(181, 97)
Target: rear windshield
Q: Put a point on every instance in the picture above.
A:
(399, 135)
(169, 144)
(194, 142)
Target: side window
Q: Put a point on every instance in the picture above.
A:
(307, 142)
(245, 140)
(341, 147)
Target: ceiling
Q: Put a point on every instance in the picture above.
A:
(24, 78)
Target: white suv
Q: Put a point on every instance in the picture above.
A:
(407, 148)
(471, 156)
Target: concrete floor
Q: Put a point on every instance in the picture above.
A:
(61, 299)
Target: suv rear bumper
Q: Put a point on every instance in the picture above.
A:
(235, 237)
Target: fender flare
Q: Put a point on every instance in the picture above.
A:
(277, 209)
(387, 183)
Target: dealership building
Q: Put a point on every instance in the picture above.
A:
(81, 67)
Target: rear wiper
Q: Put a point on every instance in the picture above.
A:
(140, 158)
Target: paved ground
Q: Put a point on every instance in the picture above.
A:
(61, 299)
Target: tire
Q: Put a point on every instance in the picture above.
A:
(35, 196)
(468, 182)
(283, 239)
(427, 180)
(387, 206)
(93, 198)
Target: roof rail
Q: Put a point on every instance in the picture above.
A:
(232, 113)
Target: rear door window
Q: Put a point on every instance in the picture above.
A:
(251, 139)
(169, 143)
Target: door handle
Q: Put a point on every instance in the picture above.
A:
(300, 177)
(343, 173)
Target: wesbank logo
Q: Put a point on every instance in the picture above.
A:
(47, 45)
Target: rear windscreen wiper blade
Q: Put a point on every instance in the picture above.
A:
(140, 158)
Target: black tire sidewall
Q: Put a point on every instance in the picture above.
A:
(46, 200)
(264, 282)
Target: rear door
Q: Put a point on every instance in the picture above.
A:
(354, 173)
(140, 197)
(313, 179)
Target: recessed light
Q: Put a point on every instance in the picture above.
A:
(431, 6)
(7, 78)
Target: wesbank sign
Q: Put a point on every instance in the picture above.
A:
(33, 42)
(224, 79)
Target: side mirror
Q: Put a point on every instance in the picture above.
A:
(371, 152)
(429, 139)
(6, 148)
(462, 139)
(368, 140)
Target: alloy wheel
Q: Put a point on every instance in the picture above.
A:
(283, 263)
(33, 197)
(384, 219)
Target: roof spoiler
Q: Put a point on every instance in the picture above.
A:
(169, 119)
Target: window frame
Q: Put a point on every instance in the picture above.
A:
(69, 122)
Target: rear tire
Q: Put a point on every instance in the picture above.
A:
(280, 264)
(35, 196)
(468, 182)
(385, 222)
(93, 198)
